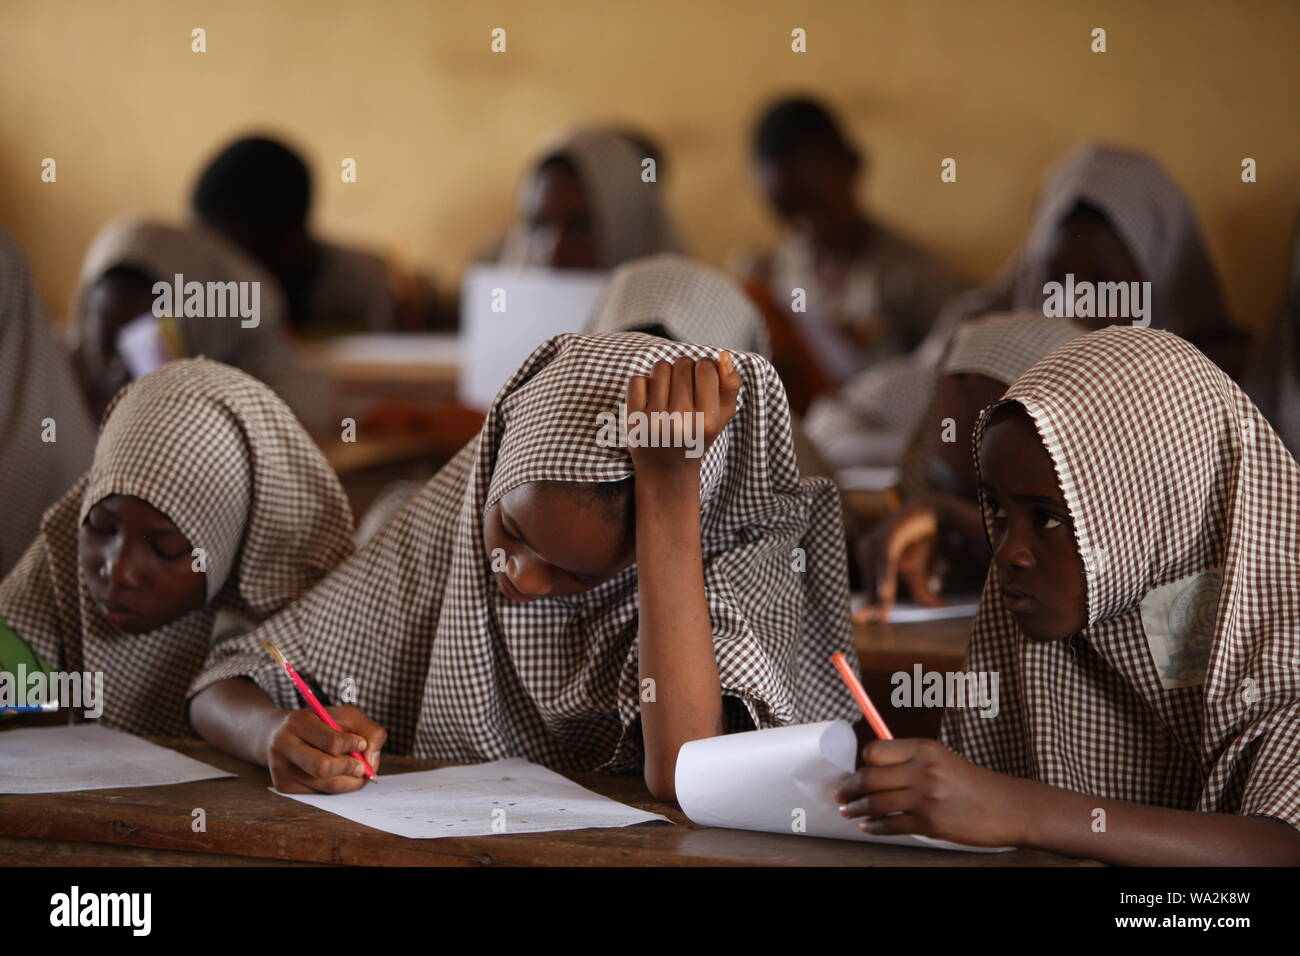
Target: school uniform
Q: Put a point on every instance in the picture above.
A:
(1181, 690)
(454, 670)
(221, 456)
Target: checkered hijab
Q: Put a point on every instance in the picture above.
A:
(225, 460)
(691, 301)
(630, 221)
(1149, 212)
(416, 625)
(36, 384)
(1173, 480)
(1001, 347)
(162, 252)
(1275, 381)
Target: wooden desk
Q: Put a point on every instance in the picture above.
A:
(248, 825)
(886, 649)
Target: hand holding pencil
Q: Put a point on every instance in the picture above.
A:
(322, 750)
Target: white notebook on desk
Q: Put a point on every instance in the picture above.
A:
(781, 780)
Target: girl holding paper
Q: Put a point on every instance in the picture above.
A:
(1142, 613)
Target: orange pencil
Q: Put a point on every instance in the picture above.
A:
(860, 695)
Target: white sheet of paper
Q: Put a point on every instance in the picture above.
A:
(539, 303)
(395, 348)
(142, 346)
(762, 779)
(504, 796)
(90, 757)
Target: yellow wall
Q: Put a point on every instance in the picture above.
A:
(440, 126)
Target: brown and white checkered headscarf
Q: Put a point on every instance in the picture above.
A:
(1149, 212)
(221, 456)
(200, 255)
(456, 671)
(36, 384)
(693, 302)
(1169, 472)
(1001, 347)
(630, 221)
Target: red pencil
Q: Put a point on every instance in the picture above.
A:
(860, 695)
(313, 703)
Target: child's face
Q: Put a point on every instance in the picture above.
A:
(554, 541)
(1038, 565)
(137, 565)
(561, 221)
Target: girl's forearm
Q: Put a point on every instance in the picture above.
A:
(1135, 834)
(682, 701)
(236, 716)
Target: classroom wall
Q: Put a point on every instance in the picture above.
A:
(440, 126)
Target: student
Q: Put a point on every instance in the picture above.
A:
(118, 275)
(937, 539)
(205, 498)
(550, 597)
(257, 192)
(870, 293)
(1141, 614)
(586, 206)
(1274, 381)
(46, 434)
(1103, 215)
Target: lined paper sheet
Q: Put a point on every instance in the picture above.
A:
(504, 796)
(772, 780)
(909, 612)
(90, 757)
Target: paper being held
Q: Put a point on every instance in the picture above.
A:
(769, 780)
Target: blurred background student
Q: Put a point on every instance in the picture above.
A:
(257, 192)
(868, 292)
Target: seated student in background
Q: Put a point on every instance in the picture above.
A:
(585, 205)
(1142, 614)
(196, 456)
(46, 433)
(1274, 381)
(551, 597)
(116, 288)
(257, 192)
(936, 541)
(1103, 215)
(871, 293)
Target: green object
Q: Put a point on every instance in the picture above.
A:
(15, 651)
